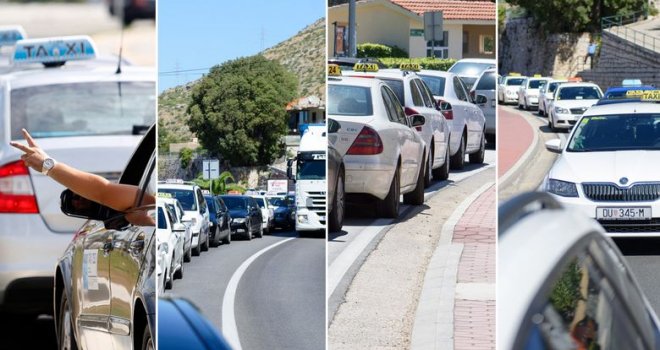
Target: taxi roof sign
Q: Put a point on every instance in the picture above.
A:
(334, 70)
(538, 76)
(575, 79)
(164, 195)
(9, 35)
(365, 67)
(644, 95)
(414, 67)
(514, 74)
(54, 51)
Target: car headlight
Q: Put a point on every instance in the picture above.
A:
(561, 110)
(562, 188)
(238, 220)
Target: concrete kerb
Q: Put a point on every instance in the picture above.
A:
(524, 159)
(434, 319)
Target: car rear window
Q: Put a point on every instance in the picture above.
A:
(535, 84)
(235, 202)
(83, 109)
(487, 82)
(349, 100)
(435, 84)
(514, 81)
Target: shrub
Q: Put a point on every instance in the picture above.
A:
(379, 50)
(425, 62)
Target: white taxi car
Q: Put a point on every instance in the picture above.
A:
(546, 95)
(610, 168)
(570, 101)
(416, 98)
(384, 156)
(79, 112)
(563, 284)
(507, 91)
(469, 69)
(179, 214)
(169, 238)
(528, 93)
(196, 210)
(466, 119)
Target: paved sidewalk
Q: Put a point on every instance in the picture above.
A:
(474, 307)
(515, 137)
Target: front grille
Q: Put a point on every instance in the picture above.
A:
(578, 111)
(318, 203)
(612, 193)
(631, 226)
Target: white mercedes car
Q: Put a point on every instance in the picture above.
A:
(384, 156)
(570, 101)
(546, 95)
(528, 93)
(507, 91)
(610, 168)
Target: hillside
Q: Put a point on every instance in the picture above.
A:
(303, 54)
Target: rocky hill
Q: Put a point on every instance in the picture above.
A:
(303, 54)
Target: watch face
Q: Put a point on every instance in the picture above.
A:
(48, 164)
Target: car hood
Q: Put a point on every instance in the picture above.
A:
(574, 103)
(238, 213)
(282, 209)
(637, 166)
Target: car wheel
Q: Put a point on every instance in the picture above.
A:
(216, 238)
(188, 255)
(197, 250)
(442, 173)
(478, 157)
(539, 111)
(458, 159)
(179, 273)
(389, 207)
(205, 246)
(248, 231)
(147, 340)
(227, 239)
(260, 233)
(337, 210)
(551, 124)
(65, 336)
(416, 197)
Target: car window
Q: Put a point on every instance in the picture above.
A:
(579, 93)
(209, 202)
(186, 197)
(349, 100)
(235, 202)
(515, 81)
(397, 87)
(391, 114)
(487, 82)
(427, 96)
(82, 109)
(582, 310)
(415, 94)
(221, 204)
(201, 201)
(536, 83)
(148, 190)
(398, 116)
(435, 84)
(459, 90)
(161, 219)
(136, 166)
(469, 68)
(616, 132)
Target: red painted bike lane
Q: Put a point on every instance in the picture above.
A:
(514, 136)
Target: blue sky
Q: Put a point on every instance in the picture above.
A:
(196, 34)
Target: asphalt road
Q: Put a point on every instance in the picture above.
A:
(349, 248)
(280, 298)
(643, 255)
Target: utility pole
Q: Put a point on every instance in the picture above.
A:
(352, 37)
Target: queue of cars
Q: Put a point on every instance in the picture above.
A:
(394, 130)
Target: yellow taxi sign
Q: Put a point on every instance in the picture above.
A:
(537, 76)
(164, 195)
(414, 67)
(514, 74)
(334, 70)
(365, 67)
(644, 95)
(575, 79)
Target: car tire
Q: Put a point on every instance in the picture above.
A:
(188, 255)
(551, 124)
(197, 250)
(428, 168)
(478, 157)
(337, 211)
(216, 238)
(260, 233)
(389, 207)
(65, 336)
(458, 159)
(205, 245)
(227, 240)
(248, 234)
(442, 173)
(416, 197)
(179, 273)
(147, 340)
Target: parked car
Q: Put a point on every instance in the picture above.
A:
(105, 286)
(469, 69)
(219, 221)
(528, 93)
(196, 210)
(245, 215)
(284, 212)
(507, 91)
(570, 101)
(546, 95)
(485, 86)
(267, 213)
(170, 236)
(563, 284)
(177, 209)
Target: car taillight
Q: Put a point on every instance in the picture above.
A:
(366, 143)
(16, 194)
(446, 109)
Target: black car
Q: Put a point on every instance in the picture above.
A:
(245, 215)
(285, 212)
(182, 326)
(105, 281)
(335, 180)
(219, 218)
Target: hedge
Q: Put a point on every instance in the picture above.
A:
(379, 50)
(425, 62)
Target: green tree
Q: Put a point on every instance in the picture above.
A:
(576, 15)
(185, 156)
(220, 185)
(238, 110)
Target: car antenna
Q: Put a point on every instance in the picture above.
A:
(121, 48)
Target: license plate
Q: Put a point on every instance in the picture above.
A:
(627, 213)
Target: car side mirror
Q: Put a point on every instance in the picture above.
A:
(417, 120)
(77, 206)
(554, 145)
(178, 227)
(481, 100)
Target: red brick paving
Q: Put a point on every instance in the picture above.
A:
(514, 136)
(474, 320)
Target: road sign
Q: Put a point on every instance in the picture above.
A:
(433, 25)
(210, 169)
(276, 186)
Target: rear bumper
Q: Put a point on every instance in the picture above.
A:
(370, 178)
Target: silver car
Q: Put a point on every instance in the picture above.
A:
(485, 86)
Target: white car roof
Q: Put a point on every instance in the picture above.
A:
(574, 84)
(176, 186)
(478, 60)
(439, 73)
(76, 74)
(389, 73)
(353, 81)
(624, 108)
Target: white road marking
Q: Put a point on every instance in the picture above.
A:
(229, 329)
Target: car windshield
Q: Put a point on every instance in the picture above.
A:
(579, 93)
(515, 81)
(277, 202)
(260, 202)
(552, 87)
(161, 219)
(617, 133)
(82, 109)
(235, 202)
(310, 169)
(397, 86)
(487, 82)
(470, 68)
(535, 84)
(185, 197)
(435, 84)
(349, 100)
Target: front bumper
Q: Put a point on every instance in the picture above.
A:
(616, 228)
(307, 220)
(565, 121)
(239, 227)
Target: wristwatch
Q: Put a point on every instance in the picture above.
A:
(47, 165)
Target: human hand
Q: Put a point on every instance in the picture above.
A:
(34, 156)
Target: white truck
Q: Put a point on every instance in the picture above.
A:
(310, 179)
